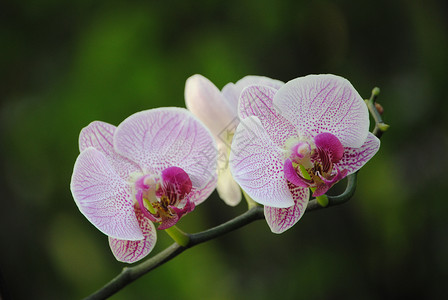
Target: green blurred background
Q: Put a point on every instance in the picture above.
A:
(65, 64)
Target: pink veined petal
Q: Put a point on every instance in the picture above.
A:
(256, 164)
(257, 101)
(200, 194)
(354, 158)
(324, 103)
(232, 91)
(132, 251)
(100, 136)
(281, 219)
(103, 197)
(206, 102)
(164, 137)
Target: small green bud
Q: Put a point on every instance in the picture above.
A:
(376, 91)
(383, 126)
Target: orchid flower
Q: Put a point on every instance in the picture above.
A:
(218, 110)
(309, 134)
(155, 167)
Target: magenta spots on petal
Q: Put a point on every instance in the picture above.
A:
(292, 176)
(330, 144)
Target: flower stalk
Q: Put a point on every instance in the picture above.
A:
(180, 237)
(380, 126)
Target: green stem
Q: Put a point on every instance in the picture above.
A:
(178, 236)
(131, 274)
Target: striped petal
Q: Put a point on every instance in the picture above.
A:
(258, 101)
(132, 251)
(99, 135)
(103, 196)
(324, 103)
(160, 138)
(281, 219)
(232, 91)
(354, 158)
(256, 163)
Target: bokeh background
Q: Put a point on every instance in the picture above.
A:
(64, 64)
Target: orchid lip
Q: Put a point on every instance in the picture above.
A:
(159, 198)
(320, 162)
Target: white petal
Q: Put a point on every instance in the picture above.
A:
(103, 197)
(324, 103)
(132, 251)
(281, 219)
(256, 164)
(207, 103)
(164, 137)
(229, 191)
(258, 101)
(354, 158)
(100, 136)
(232, 91)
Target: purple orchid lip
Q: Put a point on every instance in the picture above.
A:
(175, 183)
(330, 145)
(328, 153)
(173, 189)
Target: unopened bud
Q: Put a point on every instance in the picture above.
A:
(383, 127)
(376, 91)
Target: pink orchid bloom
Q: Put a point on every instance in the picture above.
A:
(218, 110)
(310, 133)
(156, 166)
